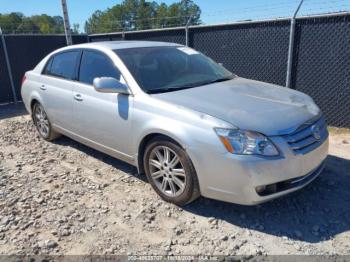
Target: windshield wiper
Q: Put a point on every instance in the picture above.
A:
(218, 80)
(169, 89)
(177, 88)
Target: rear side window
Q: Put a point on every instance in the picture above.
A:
(94, 64)
(63, 65)
(47, 68)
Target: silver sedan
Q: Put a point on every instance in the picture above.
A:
(190, 125)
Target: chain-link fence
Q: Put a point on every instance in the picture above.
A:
(174, 35)
(24, 53)
(6, 94)
(321, 67)
(253, 50)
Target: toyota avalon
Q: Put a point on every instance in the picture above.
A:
(191, 126)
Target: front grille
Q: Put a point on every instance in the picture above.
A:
(308, 137)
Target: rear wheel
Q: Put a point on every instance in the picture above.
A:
(170, 172)
(43, 124)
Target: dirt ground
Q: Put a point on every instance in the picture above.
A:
(65, 198)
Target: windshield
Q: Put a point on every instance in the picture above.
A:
(166, 69)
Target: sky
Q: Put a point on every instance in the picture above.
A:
(213, 11)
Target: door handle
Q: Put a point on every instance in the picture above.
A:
(43, 87)
(78, 97)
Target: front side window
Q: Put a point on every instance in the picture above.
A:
(63, 65)
(165, 69)
(94, 64)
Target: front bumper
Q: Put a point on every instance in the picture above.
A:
(235, 179)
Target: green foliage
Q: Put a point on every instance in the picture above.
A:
(18, 23)
(141, 14)
(127, 16)
(75, 29)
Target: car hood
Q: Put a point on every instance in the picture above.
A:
(248, 105)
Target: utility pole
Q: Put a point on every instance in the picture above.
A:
(67, 29)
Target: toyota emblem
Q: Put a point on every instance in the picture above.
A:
(316, 132)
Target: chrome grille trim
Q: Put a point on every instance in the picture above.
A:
(303, 141)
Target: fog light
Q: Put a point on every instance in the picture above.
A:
(260, 189)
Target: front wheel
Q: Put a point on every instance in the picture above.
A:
(42, 123)
(170, 172)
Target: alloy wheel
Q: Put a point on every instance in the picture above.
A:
(167, 171)
(41, 120)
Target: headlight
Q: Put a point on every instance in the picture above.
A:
(246, 142)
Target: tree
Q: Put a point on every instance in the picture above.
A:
(142, 14)
(162, 14)
(10, 22)
(75, 29)
(189, 9)
(18, 23)
(127, 16)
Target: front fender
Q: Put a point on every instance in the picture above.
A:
(172, 129)
(192, 138)
(190, 129)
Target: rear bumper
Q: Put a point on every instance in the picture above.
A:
(238, 179)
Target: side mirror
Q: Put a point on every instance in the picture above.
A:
(110, 85)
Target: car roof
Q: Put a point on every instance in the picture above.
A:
(107, 46)
(113, 45)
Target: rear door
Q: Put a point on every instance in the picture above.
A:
(102, 119)
(56, 88)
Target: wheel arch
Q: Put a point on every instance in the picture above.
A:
(33, 98)
(179, 142)
(33, 101)
(149, 137)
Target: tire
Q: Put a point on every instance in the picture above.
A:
(166, 176)
(42, 122)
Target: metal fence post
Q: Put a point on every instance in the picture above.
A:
(187, 31)
(291, 46)
(8, 67)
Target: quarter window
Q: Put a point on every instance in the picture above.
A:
(63, 65)
(94, 64)
(47, 68)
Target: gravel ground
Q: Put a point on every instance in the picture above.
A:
(64, 198)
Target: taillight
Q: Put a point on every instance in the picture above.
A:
(23, 79)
